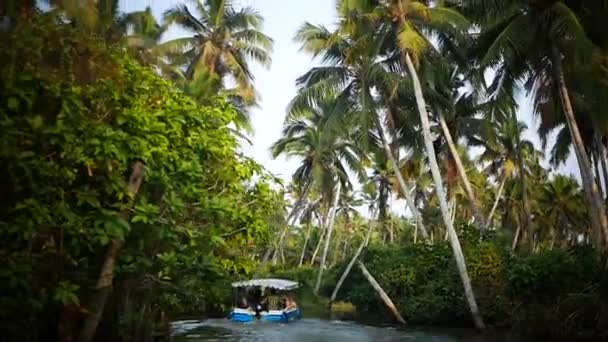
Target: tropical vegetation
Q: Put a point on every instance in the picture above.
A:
(126, 200)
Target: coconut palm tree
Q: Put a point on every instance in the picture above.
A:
(408, 20)
(325, 154)
(457, 114)
(502, 150)
(564, 212)
(350, 67)
(143, 35)
(223, 40)
(531, 41)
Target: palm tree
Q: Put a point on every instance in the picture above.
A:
(330, 226)
(502, 151)
(326, 154)
(224, 39)
(530, 40)
(310, 210)
(563, 210)
(457, 116)
(351, 68)
(142, 35)
(408, 19)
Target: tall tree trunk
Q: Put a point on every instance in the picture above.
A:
(517, 232)
(451, 209)
(308, 230)
(525, 200)
(598, 178)
(404, 189)
(293, 214)
(595, 202)
(430, 149)
(322, 225)
(318, 247)
(602, 152)
(106, 275)
(416, 232)
(468, 189)
(330, 227)
(385, 298)
(495, 205)
(350, 265)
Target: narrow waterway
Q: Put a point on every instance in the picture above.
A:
(319, 330)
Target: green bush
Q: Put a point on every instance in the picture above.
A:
(554, 292)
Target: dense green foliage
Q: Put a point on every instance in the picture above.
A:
(553, 292)
(75, 115)
(88, 94)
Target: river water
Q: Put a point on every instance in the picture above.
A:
(319, 330)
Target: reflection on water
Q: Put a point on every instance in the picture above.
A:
(316, 330)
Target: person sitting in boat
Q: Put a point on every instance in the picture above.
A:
(272, 301)
(243, 303)
(290, 303)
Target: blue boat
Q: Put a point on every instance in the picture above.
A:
(245, 313)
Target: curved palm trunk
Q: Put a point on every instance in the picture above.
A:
(455, 243)
(596, 205)
(527, 219)
(516, 237)
(308, 230)
(598, 178)
(602, 148)
(350, 265)
(385, 298)
(330, 227)
(318, 247)
(404, 189)
(495, 205)
(293, 214)
(322, 221)
(468, 189)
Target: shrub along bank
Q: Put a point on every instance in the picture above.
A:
(552, 292)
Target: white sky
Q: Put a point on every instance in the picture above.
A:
(277, 85)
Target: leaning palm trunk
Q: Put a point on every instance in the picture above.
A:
(428, 142)
(495, 205)
(602, 152)
(595, 202)
(308, 230)
(461, 172)
(330, 227)
(516, 237)
(322, 221)
(350, 265)
(598, 178)
(293, 214)
(527, 219)
(106, 275)
(404, 189)
(604, 162)
(385, 298)
(318, 247)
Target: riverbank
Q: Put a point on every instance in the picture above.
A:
(551, 293)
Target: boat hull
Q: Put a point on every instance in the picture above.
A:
(276, 316)
(281, 316)
(241, 315)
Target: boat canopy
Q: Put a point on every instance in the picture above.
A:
(273, 283)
